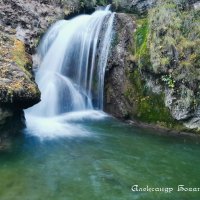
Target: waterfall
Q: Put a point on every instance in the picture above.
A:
(72, 60)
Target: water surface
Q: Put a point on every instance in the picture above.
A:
(100, 165)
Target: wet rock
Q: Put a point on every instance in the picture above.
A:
(115, 80)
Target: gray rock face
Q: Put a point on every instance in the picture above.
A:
(196, 5)
(116, 79)
(142, 5)
(135, 6)
(181, 101)
(184, 106)
(21, 24)
(28, 18)
(181, 106)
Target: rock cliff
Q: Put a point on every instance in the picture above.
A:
(21, 24)
(153, 70)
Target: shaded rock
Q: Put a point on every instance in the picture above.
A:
(11, 122)
(116, 79)
(4, 115)
(141, 5)
(133, 6)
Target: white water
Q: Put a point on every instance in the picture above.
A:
(72, 60)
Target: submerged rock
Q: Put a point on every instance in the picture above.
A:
(11, 121)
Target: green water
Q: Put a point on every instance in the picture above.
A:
(101, 166)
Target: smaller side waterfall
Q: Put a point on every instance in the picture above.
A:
(72, 60)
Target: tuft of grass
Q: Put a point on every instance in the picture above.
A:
(141, 35)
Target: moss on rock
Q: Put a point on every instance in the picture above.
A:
(20, 57)
(150, 106)
(141, 35)
(16, 85)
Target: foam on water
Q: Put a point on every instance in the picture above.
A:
(65, 125)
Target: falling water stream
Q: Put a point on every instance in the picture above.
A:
(72, 60)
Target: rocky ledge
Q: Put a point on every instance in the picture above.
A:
(22, 22)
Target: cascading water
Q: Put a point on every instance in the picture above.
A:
(72, 61)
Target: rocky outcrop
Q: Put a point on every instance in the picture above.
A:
(153, 70)
(28, 19)
(22, 22)
(16, 83)
(134, 6)
(174, 55)
(128, 94)
(116, 79)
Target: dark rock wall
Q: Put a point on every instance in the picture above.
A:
(153, 69)
(116, 79)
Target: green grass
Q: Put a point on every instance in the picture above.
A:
(141, 43)
(150, 106)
